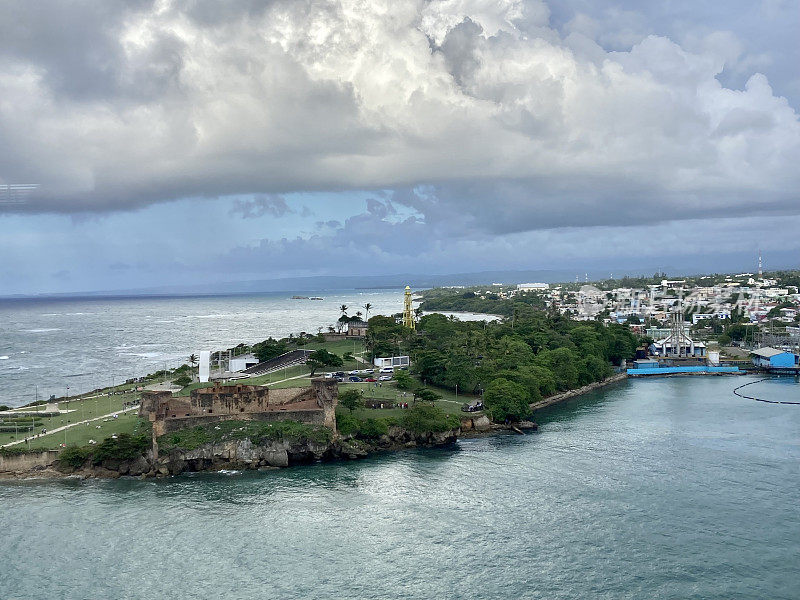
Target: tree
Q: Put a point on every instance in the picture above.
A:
(343, 308)
(322, 358)
(505, 400)
(367, 307)
(404, 380)
(351, 399)
(269, 348)
(426, 395)
(192, 361)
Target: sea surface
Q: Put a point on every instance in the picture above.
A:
(659, 488)
(48, 345)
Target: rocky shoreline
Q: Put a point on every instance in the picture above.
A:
(245, 455)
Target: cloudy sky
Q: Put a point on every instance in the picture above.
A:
(196, 141)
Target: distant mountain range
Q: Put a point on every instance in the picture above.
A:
(345, 282)
(702, 265)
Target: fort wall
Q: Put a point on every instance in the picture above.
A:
(314, 405)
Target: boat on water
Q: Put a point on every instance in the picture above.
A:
(299, 297)
(316, 298)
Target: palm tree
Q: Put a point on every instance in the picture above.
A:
(192, 362)
(367, 307)
(358, 314)
(343, 308)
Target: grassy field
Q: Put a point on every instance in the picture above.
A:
(450, 403)
(81, 409)
(79, 435)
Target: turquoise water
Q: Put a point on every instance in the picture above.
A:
(660, 488)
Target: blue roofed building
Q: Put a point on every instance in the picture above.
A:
(772, 358)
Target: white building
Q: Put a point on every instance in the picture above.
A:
(242, 362)
(392, 361)
(529, 287)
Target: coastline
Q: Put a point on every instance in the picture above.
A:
(215, 457)
(557, 398)
(244, 455)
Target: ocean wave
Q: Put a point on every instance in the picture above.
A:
(3, 358)
(42, 330)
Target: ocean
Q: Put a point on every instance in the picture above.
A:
(84, 343)
(659, 489)
(72, 345)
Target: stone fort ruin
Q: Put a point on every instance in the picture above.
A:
(313, 405)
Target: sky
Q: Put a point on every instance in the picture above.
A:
(190, 142)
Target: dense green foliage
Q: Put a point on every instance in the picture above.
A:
(427, 418)
(367, 428)
(506, 400)
(123, 447)
(469, 301)
(258, 432)
(386, 337)
(541, 351)
(322, 358)
(182, 381)
(75, 456)
(269, 348)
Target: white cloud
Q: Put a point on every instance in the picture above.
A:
(514, 127)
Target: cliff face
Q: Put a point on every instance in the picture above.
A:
(244, 454)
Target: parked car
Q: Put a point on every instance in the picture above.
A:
(385, 378)
(370, 380)
(353, 372)
(369, 371)
(339, 374)
(355, 379)
(387, 370)
(339, 379)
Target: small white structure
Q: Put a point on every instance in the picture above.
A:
(392, 361)
(713, 359)
(205, 365)
(686, 347)
(242, 362)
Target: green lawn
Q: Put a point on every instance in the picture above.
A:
(450, 403)
(81, 409)
(80, 435)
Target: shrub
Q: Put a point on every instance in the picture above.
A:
(425, 418)
(74, 457)
(124, 447)
(182, 381)
(351, 399)
(347, 424)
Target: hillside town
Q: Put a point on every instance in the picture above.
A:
(738, 316)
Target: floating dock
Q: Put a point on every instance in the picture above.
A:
(694, 370)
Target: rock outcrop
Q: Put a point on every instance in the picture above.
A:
(244, 454)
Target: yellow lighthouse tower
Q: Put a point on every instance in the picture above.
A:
(408, 311)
